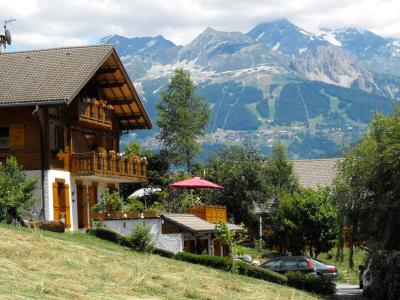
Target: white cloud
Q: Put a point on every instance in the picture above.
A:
(51, 23)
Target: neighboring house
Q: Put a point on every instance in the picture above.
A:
(178, 232)
(62, 113)
(314, 173)
(311, 173)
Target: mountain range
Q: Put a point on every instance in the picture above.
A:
(315, 92)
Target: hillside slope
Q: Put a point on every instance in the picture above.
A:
(44, 265)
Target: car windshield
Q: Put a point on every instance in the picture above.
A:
(291, 262)
(318, 263)
(272, 263)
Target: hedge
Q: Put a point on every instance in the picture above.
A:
(110, 235)
(164, 253)
(311, 282)
(224, 263)
(216, 262)
(260, 273)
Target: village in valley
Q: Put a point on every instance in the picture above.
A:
(258, 165)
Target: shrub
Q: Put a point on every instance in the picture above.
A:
(311, 282)
(142, 239)
(133, 204)
(110, 200)
(259, 245)
(157, 206)
(16, 191)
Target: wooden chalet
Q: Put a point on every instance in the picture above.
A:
(62, 112)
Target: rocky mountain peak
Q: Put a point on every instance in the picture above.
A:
(285, 37)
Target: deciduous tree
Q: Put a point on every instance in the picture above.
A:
(306, 221)
(16, 191)
(369, 175)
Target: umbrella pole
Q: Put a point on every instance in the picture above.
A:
(191, 193)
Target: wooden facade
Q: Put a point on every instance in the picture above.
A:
(66, 129)
(210, 213)
(24, 136)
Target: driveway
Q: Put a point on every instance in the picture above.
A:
(347, 291)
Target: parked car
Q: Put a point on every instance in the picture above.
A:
(302, 264)
(290, 263)
(326, 271)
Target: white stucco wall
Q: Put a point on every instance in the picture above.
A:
(37, 193)
(170, 242)
(50, 177)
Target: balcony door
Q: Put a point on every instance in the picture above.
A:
(82, 206)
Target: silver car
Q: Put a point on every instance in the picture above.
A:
(326, 271)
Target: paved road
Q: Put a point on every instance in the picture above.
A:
(347, 291)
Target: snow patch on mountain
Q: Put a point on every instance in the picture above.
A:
(276, 46)
(330, 38)
(260, 36)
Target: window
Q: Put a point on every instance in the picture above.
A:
(272, 264)
(4, 137)
(59, 138)
(291, 262)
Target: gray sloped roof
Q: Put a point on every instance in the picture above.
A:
(314, 173)
(50, 75)
(195, 224)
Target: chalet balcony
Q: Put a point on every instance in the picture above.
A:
(112, 166)
(95, 112)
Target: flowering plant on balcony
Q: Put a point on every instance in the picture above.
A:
(132, 150)
(111, 153)
(100, 151)
(103, 103)
(61, 155)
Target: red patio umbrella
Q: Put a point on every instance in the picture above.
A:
(195, 183)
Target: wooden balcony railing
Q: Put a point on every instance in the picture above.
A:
(95, 112)
(93, 163)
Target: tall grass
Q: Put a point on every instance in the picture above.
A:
(45, 265)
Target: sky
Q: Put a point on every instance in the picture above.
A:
(56, 23)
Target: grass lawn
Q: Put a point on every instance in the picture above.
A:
(45, 265)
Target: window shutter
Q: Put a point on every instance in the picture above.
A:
(17, 136)
(56, 203)
(67, 207)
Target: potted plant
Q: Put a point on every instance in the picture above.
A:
(100, 151)
(100, 209)
(133, 207)
(61, 155)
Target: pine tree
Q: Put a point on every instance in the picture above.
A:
(182, 118)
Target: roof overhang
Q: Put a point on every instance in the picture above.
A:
(212, 228)
(113, 84)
